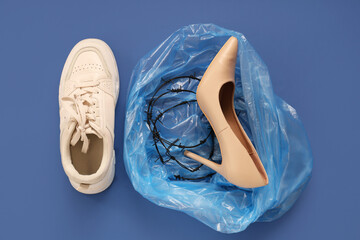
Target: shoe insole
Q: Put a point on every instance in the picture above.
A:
(87, 163)
(226, 98)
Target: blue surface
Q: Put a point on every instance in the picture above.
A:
(311, 48)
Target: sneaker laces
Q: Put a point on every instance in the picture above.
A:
(83, 113)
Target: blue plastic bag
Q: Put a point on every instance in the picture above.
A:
(273, 126)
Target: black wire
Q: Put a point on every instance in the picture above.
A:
(152, 120)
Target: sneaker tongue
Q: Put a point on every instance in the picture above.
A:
(91, 131)
(84, 137)
(81, 134)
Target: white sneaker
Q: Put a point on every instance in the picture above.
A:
(88, 93)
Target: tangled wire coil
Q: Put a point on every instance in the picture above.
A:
(153, 119)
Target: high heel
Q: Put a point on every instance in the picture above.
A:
(241, 164)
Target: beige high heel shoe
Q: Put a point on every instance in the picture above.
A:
(241, 164)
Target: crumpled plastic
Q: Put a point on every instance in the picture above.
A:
(272, 125)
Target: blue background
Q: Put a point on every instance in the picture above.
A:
(312, 49)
